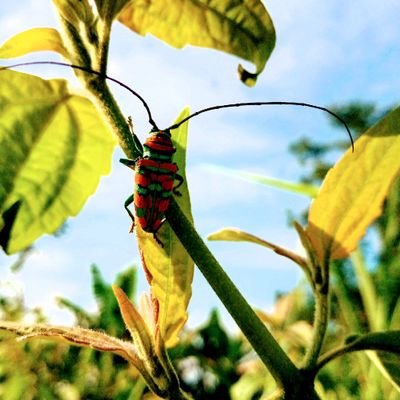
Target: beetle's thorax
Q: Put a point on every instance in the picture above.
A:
(158, 146)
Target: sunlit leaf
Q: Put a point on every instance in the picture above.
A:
(242, 28)
(170, 269)
(54, 147)
(35, 39)
(294, 187)
(352, 194)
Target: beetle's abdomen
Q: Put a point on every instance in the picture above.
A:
(154, 182)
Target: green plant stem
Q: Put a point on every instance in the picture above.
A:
(276, 360)
(357, 345)
(103, 47)
(108, 107)
(331, 355)
(320, 322)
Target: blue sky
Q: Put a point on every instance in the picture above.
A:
(328, 52)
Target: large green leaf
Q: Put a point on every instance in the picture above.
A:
(54, 147)
(170, 269)
(352, 194)
(239, 27)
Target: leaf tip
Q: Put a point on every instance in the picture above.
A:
(248, 78)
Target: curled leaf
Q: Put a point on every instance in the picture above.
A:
(242, 28)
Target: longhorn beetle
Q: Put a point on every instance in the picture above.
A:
(155, 171)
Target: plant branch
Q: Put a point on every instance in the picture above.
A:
(320, 320)
(361, 343)
(280, 366)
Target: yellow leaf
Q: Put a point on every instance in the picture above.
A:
(352, 194)
(236, 235)
(35, 39)
(170, 269)
(242, 28)
(134, 322)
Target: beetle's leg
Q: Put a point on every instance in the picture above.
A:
(127, 203)
(180, 181)
(157, 239)
(156, 231)
(136, 141)
(129, 163)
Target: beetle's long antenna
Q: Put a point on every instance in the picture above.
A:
(105, 76)
(267, 103)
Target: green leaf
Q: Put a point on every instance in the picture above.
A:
(35, 39)
(352, 194)
(170, 269)
(298, 188)
(242, 28)
(54, 147)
